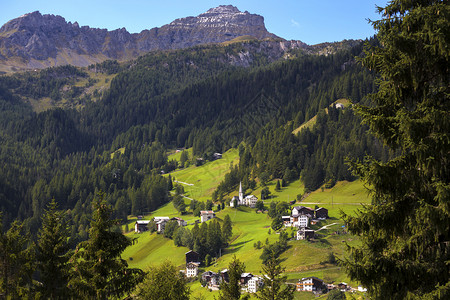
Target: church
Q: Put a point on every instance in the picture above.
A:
(249, 200)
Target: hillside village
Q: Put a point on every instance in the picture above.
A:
(299, 221)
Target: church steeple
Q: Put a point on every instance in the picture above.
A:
(241, 194)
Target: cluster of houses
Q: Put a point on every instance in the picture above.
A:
(252, 283)
(142, 225)
(212, 280)
(316, 285)
(240, 200)
(301, 217)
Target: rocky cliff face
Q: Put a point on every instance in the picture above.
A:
(37, 41)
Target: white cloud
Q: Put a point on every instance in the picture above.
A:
(294, 23)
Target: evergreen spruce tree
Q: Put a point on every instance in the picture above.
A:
(405, 233)
(100, 272)
(16, 262)
(232, 289)
(164, 282)
(52, 255)
(227, 229)
(274, 287)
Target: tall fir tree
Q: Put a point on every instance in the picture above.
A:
(100, 272)
(405, 233)
(227, 229)
(164, 282)
(274, 287)
(16, 262)
(231, 290)
(52, 254)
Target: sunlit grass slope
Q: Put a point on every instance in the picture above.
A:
(200, 182)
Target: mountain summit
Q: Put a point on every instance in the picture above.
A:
(38, 41)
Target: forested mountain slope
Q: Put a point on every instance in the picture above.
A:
(210, 98)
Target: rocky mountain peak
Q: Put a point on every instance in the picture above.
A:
(223, 9)
(46, 40)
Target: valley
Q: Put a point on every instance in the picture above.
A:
(301, 259)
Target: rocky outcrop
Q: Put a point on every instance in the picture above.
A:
(44, 40)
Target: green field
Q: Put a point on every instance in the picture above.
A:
(200, 182)
(174, 155)
(302, 259)
(311, 122)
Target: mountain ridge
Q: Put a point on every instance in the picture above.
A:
(34, 41)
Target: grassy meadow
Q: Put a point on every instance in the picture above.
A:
(200, 182)
(302, 259)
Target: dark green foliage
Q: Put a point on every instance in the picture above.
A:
(183, 159)
(100, 272)
(178, 203)
(164, 282)
(184, 98)
(208, 205)
(257, 245)
(170, 228)
(232, 289)
(273, 209)
(331, 258)
(277, 223)
(227, 229)
(274, 282)
(108, 67)
(336, 295)
(47, 83)
(405, 233)
(274, 250)
(265, 193)
(16, 262)
(52, 254)
(208, 260)
(277, 187)
(260, 205)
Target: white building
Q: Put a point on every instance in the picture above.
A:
(206, 215)
(161, 223)
(250, 201)
(309, 284)
(239, 199)
(192, 269)
(254, 284)
(305, 234)
(300, 221)
(141, 226)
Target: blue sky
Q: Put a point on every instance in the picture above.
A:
(311, 21)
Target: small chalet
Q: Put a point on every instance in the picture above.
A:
(305, 234)
(180, 221)
(339, 106)
(245, 277)
(343, 287)
(287, 221)
(217, 155)
(161, 223)
(310, 284)
(211, 278)
(192, 256)
(192, 269)
(321, 213)
(206, 215)
(303, 210)
(141, 226)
